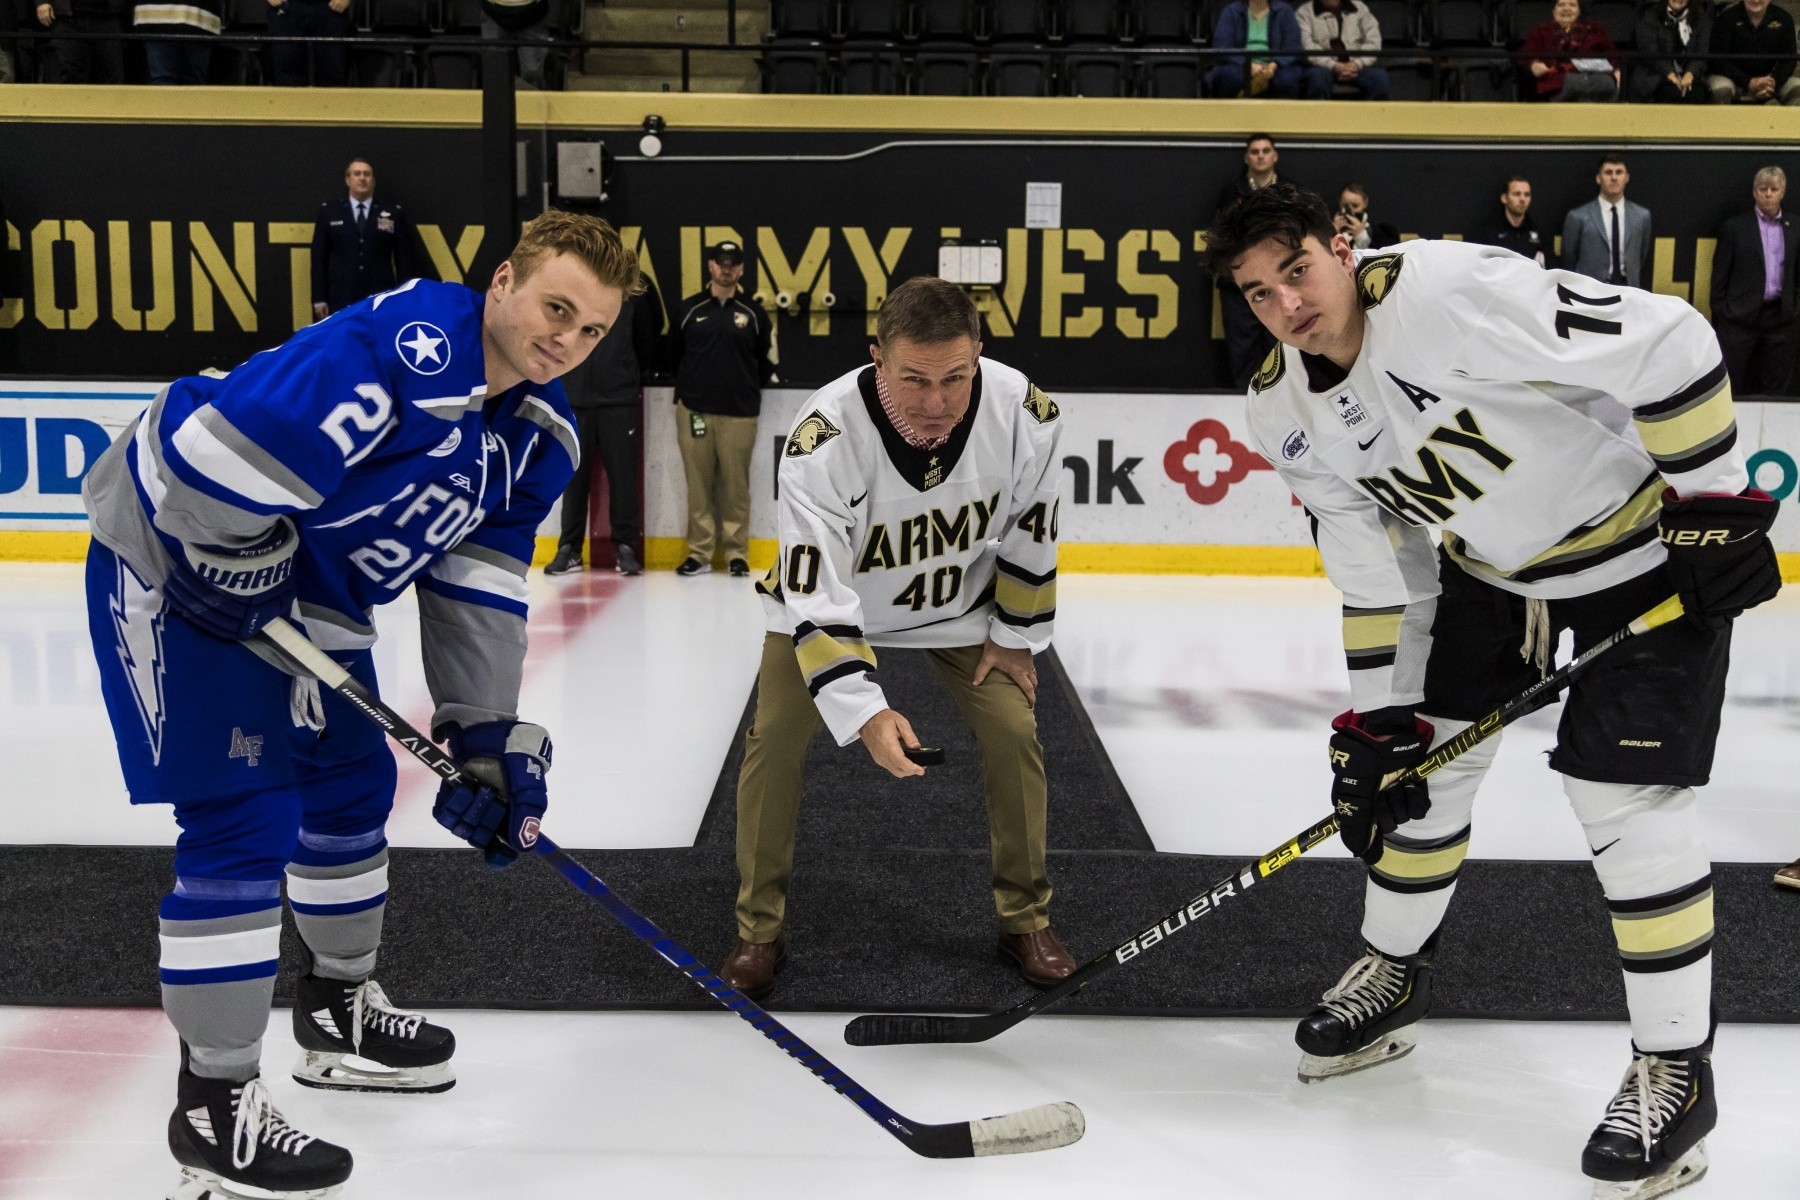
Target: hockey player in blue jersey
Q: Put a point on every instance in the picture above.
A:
(415, 439)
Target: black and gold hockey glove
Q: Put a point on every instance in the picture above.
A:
(1365, 749)
(1720, 558)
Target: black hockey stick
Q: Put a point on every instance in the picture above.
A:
(893, 1029)
(1042, 1128)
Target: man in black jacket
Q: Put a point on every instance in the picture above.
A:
(1515, 230)
(1247, 343)
(1753, 290)
(1675, 34)
(720, 348)
(1753, 27)
(606, 394)
(360, 245)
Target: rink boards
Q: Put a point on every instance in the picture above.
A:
(1150, 483)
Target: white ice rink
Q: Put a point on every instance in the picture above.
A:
(1210, 695)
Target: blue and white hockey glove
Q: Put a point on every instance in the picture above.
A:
(232, 592)
(1365, 749)
(501, 814)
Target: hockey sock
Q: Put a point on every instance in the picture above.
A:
(337, 887)
(221, 942)
(1652, 864)
(1410, 888)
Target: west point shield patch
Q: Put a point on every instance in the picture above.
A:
(1271, 371)
(812, 432)
(1041, 407)
(1375, 277)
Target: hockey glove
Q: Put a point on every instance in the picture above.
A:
(499, 815)
(231, 592)
(1365, 749)
(1720, 558)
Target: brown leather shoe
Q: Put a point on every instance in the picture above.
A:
(1789, 876)
(750, 967)
(1039, 956)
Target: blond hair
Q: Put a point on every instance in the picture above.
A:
(591, 240)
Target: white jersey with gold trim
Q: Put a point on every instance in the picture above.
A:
(883, 544)
(1532, 416)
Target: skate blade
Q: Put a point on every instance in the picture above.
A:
(197, 1184)
(353, 1073)
(1395, 1045)
(1689, 1168)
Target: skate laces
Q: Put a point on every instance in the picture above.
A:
(1369, 984)
(371, 1006)
(258, 1123)
(1649, 1097)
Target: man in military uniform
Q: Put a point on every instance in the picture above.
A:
(360, 245)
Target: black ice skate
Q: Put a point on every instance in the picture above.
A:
(353, 1039)
(1652, 1139)
(233, 1145)
(1365, 1020)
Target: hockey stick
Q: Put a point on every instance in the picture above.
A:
(1044, 1127)
(892, 1029)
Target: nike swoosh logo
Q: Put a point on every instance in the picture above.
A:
(1605, 848)
(859, 500)
(1371, 441)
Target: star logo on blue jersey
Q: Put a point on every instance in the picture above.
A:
(423, 347)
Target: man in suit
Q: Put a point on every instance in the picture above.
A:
(1753, 285)
(360, 245)
(1609, 237)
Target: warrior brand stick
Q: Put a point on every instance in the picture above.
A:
(892, 1029)
(1042, 1128)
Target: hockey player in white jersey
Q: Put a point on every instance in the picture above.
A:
(1574, 442)
(918, 510)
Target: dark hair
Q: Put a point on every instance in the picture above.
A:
(1506, 186)
(1282, 211)
(1355, 189)
(1259, 137)
(1614, 157)
(358, 159)
(929, 311)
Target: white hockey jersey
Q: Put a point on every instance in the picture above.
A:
(1532, 416)
(883, 544)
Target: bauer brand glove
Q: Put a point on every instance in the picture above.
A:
(1365, 749)
(231, 592)
(1720, 558)
(500, 812)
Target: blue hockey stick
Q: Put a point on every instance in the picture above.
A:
(1042, 1128)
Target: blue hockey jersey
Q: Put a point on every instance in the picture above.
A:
(373, 430)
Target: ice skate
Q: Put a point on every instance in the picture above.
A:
(352, 1038)
(233, 1145)
(1652, 1140)
(1366, 1019)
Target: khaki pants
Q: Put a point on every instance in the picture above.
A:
(717, 466)
(768, 798)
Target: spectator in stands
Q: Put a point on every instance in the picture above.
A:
(1570, 57)
(1750, 27)
(96, 59)
(606, 392)
(1675, 34)
(1338, 35)
(521, 19)
(1268, 40)
(1247, 343)
(1753, 290)
(720, 347)
(318, 65)
(1352, 219)
(185, 56)
(1515, 229)
(1608, 238)
(360, 245)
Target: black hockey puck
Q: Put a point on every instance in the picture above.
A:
(927, 756)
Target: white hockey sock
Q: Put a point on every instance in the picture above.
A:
(1652, 863)
(1410, 888)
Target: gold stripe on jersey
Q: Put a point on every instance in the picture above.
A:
(1410, 865)
(1022, 597)
(1631, 525)
(828, 652)
(1371, 636)
(1667, 931)
(1692, 427)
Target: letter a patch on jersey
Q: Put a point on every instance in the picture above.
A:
(811, 433)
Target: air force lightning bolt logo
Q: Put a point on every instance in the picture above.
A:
(138, 631)
(423, 347)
